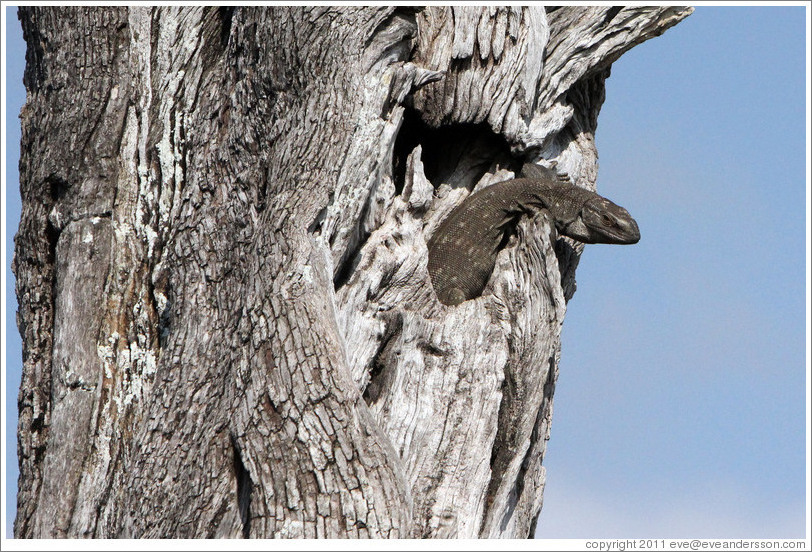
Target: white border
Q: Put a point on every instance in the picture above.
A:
(541, 544)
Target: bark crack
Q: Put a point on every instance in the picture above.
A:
(244, 487)
(377, 369)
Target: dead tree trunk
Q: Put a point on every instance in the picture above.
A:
(228, 323)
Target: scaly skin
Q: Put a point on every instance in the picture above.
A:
(463, 248)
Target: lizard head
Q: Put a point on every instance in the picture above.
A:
(602, 221)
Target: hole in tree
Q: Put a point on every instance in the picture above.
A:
(457, 155)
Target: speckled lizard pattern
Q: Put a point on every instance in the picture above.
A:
(463, 248)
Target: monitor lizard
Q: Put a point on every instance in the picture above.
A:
(463, 248)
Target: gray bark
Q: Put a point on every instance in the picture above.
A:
(228, 324)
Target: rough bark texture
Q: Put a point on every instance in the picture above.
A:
(229, 328)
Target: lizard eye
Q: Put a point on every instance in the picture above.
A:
(608, 220)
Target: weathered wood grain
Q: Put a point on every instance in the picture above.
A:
(228, 325)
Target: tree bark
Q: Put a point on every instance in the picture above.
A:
(229, 328)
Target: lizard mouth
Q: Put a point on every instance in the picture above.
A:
(627, 232)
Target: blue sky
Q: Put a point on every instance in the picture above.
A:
(680, 406)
